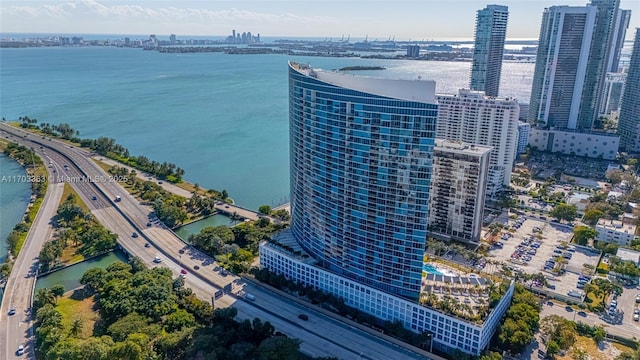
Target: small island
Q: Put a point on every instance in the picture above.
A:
(349, 68)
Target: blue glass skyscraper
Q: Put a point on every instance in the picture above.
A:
(361, 160)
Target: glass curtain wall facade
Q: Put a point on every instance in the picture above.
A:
(491, 30)
(360, 178)
(629, 121)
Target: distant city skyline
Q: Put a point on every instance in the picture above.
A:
(375, 19)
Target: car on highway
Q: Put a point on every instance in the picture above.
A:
(12, 312)
(94, 197)
(303, 317)
(582, 313)
(183, 273)
(134, 235)
(157, 260)
(148, 224)
(147, 245)
(20, 350)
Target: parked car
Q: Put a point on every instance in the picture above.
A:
(21, 350)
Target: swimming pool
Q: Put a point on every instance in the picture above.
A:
(431, 269)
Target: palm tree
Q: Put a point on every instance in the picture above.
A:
(76, 327)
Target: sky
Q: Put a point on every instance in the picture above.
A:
(376, 19)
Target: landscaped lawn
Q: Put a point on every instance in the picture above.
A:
(72, 309)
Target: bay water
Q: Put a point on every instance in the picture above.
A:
(222, 118)
(14, 198)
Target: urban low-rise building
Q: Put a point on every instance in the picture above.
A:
(615, 231)
(629, 255)
(590, 144)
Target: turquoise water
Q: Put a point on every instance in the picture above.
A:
(195, 227)
(70, 277)
(14, 198)
(431, 269)
(223, 118)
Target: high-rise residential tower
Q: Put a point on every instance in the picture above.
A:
(474, 118)
(576, 48)
(629, 121)
(361, 157)
(491, 30)
(620, 28)
(602, 44)
(561, 66)
(458, 190)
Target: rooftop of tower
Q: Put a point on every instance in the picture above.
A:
(410, 90)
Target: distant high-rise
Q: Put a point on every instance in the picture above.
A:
(576, 47)
(474, 118)
(413, 51)
(612, 94)
(561, 66)
(172, 39)
(621, 26)
(629, 121)
(491, 29)
(458, 189)
(602, 44)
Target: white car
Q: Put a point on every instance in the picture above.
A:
(157, 260)
(21, 350)
(636, 317)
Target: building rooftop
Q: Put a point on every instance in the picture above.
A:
(616, 225)
(461, 147)
(409, 90)
(285, 241)
(628, 255)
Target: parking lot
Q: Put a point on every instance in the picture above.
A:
(534, 246)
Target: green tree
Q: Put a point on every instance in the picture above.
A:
(552, 348)
(564, 212)
(76, 327)
(582, 234)
(264, 209)
(279, 348)
(212, 239)
(178, 320)
(591, 216)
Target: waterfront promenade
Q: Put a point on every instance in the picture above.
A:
(228, 209)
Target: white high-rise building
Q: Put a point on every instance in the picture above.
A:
(458, 187)
(577, 47)
(491, 30)
(561, 66)
(474, 118)
(524, 130)
(612, 95)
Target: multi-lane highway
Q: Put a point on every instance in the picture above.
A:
(320, 335)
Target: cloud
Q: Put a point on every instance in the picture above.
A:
(93, 16)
